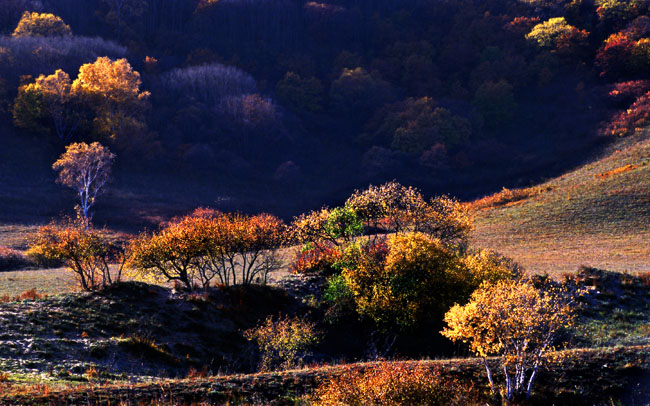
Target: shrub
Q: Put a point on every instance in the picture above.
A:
(395, 384)
(11, 259)
(418, 280)
(631, 120)
(283, 343)
(316, 258)
(30, 294)
(506, 196)
(625, 93)
(87, 252)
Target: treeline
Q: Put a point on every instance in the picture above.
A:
(427, 91)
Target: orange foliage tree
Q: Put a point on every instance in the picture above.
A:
(41, 25)
(233, 248)
(87, 252)
(86, 169)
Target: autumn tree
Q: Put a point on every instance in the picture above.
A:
(242, 249)
(496, 102)
(86, 169)
(515, 320)
(418, 280)
(112, 90)
(41, 25)
(357, 92)
(28, 111)
(172, 254)
(398, 208)
(86, 251)
(48, 102)
(548, 33)
(206, 245)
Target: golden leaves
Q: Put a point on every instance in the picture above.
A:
(41, 25)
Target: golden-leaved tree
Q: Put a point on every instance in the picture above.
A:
(48, 103)
(516, 320)
(107, 91)
(112, 90)
(41, 25)
(419, 278)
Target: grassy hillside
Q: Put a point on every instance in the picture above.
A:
(596, 215)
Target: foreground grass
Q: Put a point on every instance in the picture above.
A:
(587, 376)
(597, 215)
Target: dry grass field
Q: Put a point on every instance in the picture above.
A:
(596, 215)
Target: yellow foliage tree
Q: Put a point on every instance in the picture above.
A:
(516, 320)
(86, 169)
(419, 278)
(489, 266)
(112, 90)
(41, 25)
(548, 33)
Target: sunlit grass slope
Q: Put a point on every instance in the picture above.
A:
(596, 215)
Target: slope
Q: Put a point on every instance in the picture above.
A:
(596, 215)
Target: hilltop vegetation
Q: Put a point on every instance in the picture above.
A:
(244, 101)
(263, 185)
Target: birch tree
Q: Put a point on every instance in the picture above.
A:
(516, 321)
(86, 169)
